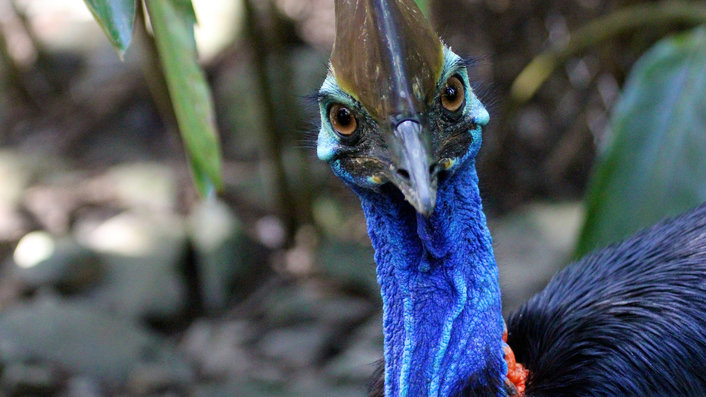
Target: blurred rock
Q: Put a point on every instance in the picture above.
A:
(289, 305)
(311, 387)
(339, 310)
(531, 245)
(150, 379)
(42, 260)
(142, 255)
(219, 243)
(29, 380)
(307, 303)
(352, 265)
(144, 186)
(82, 386)
(310, 383)
(358, 361)
(297, 347)
(239, 388)
(16, 173)
(19, 170)
(84, 341)
(13, 224)
(219, 348)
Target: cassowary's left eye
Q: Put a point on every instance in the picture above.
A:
(343, 120)
(453, 94)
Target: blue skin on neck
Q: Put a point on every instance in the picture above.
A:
(442, 318)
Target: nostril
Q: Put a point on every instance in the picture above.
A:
(433, 168)
(404, 174)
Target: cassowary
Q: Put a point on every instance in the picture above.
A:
(402, 126)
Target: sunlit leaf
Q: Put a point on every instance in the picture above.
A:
(117, 18)
(655, 164)
(424, 5)
(186, 10)
(191, 95)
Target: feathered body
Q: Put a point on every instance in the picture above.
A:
(402, 126)
(628, 320)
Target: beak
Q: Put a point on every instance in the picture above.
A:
(413, 173)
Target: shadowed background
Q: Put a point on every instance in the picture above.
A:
(116, 279)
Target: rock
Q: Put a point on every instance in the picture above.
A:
(350, 264)
(141, 256)
(239, 388)
(150, 187)
(289, 305)
(296, 347)
(16, 173)
(342, 310)
(219, 348)
(45, 261)
(219, 244)
(304, 388)
(310, 383)
(531, 245)
(13, 224)
(358, 361)
(29, 379)
(307, 303)
(149, 379)
(82, 386)
(83, 341)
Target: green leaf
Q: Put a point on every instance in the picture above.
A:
(190, 94)
(424, 6)
(117, 18)
(186, 11)
(655, 165)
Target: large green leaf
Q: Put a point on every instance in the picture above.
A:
(424, 5)
(655, 164)
(117, 18)
(191, 96)
(186, 10)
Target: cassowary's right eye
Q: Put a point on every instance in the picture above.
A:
(343, 120)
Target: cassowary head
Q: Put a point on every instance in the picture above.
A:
(396, 105)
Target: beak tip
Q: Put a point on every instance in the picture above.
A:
(426, 207)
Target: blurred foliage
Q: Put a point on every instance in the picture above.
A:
(635, 17)
(654, 164)
(173, 24)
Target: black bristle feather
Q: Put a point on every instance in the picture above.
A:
(376, 386)
(628, 320)
(310, 132)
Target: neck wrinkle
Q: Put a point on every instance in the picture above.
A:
(442, 318)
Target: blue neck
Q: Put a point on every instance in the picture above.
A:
(442, 318)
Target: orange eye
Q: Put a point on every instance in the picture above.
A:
(453, 94)
(343, 120)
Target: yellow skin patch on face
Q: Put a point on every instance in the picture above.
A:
(447, 163)
(376, 179)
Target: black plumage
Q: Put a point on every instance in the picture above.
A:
(627, 320)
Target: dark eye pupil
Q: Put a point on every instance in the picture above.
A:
(344, 116)
(451, 93)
